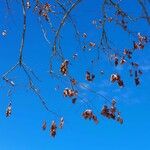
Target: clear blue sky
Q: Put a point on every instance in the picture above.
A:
(22, 131)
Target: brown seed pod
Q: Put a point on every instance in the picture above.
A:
(64, 67)
(89, 76)
(8, 110)
(53, 129)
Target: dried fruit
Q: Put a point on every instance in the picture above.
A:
(89, 76)
(70, 92)
(64, 67)
(9, 110)
(44, 125)
(116, 78)
(61, 123)
(73, 81)
(28, 5)
(122, 61)
(105, 111)
(91, 44)
(88, 114)
(119, 119)
(84, 35)
(53, 129)
(116, 60)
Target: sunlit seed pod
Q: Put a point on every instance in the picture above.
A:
(84, 35)
(61, 123)
(113, 102)
(28, 5)
(91, 44)
(4, 33)
(122, 61)
(9, 110)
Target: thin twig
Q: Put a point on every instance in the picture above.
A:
(23, 32)
(145, 11)
(62, 23)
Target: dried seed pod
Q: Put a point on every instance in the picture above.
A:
(87, 114)
(84, 35)
(140, 72)
(113, 109)
(125, 52)
(136, 74)
(44, 125)
(120, 83)
(137, 81)
(141, 46)
(45, 15)
(66, 92)
(135, 45)
(9, 110)
(112, 115)
(142, 39)
(113, 102)
(75, 56)
(105, 111)
(53, 129)
(112, 112)
(4, 33)
(116, 61)
(89, 76)
(64, 67)
(73, 81)
(122, 61)
(95, 119)
(84, 47)
(47, 7)
(114, 77)
(119, 119)
(61, 123)
(28, 5)
(134, 64)
(70, 92)
(91, 44)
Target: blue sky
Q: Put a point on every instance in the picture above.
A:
(22, 131)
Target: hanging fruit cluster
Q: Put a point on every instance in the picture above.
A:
(88, 114)
(110, 112)
(53, 126)
(43, 10)
(64, 67)
(70, 92)
(116, 78)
